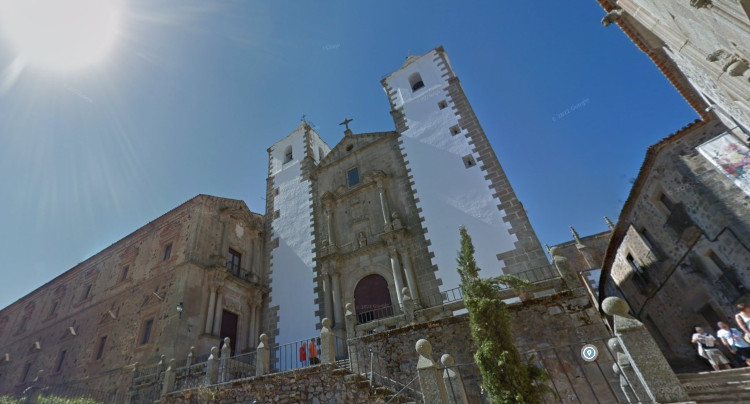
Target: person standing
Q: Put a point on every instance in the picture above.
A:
(732, 339)
(303, 354)
(707, 349)
(313, 350)
(743, 318)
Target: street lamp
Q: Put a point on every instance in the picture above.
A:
(180, 308)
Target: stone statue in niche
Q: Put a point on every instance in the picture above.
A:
(396, 222)
(362, 239)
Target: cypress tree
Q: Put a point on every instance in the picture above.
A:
(506, 377)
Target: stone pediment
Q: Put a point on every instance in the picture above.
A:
(351, 143)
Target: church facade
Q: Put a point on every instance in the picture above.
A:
(380, 212)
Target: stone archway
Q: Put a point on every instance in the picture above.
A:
(372, 299)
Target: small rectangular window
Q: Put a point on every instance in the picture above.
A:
(234, 259)
(455, 130)
(86, 292)
(100, 351)
(26, 371)
(353, 175)
(664, 199)
(167, 251)
(443, 104)
(60, 361)
(124, 274)
(53, 309)
(637, 268)
(146, 333)
(469, 161)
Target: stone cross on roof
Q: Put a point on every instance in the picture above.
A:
(347, 131)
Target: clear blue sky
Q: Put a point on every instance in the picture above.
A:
(194, 92)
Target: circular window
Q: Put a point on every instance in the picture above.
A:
(349, 147)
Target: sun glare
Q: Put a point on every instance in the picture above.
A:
(60, 34)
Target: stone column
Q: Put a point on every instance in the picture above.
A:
(351, 321)
(251, 323)
(210, 311)
(336, 291)
(327, 343)
(217, 313)
(430, 379)
(258, 309)
(647, 361)
(384, 205)
(329, 225)
(411, 279)
(327, 297)
(212, 367)
(452, 379)
(169, 378)
(396, 268)
(262, 356)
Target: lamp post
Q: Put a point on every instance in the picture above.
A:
(180, 308)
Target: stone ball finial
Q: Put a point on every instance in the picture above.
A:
(405, 291)
(447, 360)
(172, 363)
(616, 306)
(326, 322)
(263, 338)
(214, 350)
(424, 347)
(614, 345)
(226, 341)
(616, 369)
(349, 307)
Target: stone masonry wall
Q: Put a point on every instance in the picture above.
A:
(316, 384)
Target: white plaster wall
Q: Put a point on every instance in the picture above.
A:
(450, 195)
(292, 262)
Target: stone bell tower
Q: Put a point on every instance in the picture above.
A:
(455, 173)
(291, 310)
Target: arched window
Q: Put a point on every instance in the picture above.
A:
(288, 156)
(415, 81)
(372, 300)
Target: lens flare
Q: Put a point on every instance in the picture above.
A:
(60, 34)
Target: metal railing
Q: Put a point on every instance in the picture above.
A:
(380, 372)
(574, 380)
(294, 355)
(537, 274)
(237, 367)
(375, 314)
(447, 296)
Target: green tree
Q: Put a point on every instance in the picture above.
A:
(505, 376)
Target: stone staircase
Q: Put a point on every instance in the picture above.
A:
(724, 386)
(386, 394)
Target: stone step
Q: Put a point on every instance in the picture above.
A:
(719, 374)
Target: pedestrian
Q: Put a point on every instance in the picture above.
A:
(313, 350)
(732, 339)
(707, 349)
(743, 320)
(303, 354)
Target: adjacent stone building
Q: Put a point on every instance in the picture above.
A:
(679, 254)
(188, 278)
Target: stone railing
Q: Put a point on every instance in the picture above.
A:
(640, 363)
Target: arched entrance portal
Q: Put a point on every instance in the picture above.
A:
(372, 300)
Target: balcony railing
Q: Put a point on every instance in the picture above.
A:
(240, 272)
(375, 314)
